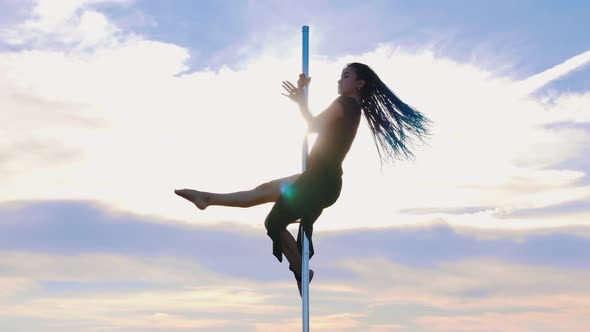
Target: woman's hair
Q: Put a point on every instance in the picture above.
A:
(395, 125)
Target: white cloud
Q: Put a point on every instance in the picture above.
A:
(473, 292)
(539, 80)
(126, 291)
(381, 296)
(70, 22)
(140, 130)
(127, 130)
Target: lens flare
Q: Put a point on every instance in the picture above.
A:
(288, 191)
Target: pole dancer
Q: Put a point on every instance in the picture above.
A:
(395, 127)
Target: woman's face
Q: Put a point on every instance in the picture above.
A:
(347, 84)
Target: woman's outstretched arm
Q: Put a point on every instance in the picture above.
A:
(315, 124)
(309, 118)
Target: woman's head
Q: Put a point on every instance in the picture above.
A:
(395, 124)
(358, 77)
(349, 84)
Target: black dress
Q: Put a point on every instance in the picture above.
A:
(320, 184)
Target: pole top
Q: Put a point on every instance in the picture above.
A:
(305, 28)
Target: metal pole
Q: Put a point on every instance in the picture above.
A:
(305, 253)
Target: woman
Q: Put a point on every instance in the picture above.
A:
(394, 125)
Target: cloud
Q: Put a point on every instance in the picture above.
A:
(449, 210)
(118, 292)
(74, 228)
(70, 22)
(138, 119)
(529, 321)
(537, 81)
(571, 207)
(104, 123)
(381, 293)
(471, 290)
(78, 265)
(31, 153)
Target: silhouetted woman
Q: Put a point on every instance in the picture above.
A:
(395, 127)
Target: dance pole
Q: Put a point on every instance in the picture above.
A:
(305, 253)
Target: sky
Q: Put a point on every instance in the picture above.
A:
(107, 106)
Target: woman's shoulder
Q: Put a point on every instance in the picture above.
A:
(348, 103)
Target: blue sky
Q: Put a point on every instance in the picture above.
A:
(499, 31)
(107, 106)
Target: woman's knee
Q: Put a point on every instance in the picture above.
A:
(278, 218)
(266, 223)
(263, 185)
(273, 227)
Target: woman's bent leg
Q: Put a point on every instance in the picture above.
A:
(290, 249)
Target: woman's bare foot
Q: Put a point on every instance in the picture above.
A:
(199, 198)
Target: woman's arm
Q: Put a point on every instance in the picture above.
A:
(318, 123)
(309, 118)
(315, 124)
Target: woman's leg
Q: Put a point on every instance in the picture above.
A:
(265, 193)
(290, 250)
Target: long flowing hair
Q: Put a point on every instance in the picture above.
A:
(396, 126)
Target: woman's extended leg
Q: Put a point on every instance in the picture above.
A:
(265, 193)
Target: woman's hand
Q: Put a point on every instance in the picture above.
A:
(296, 93)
